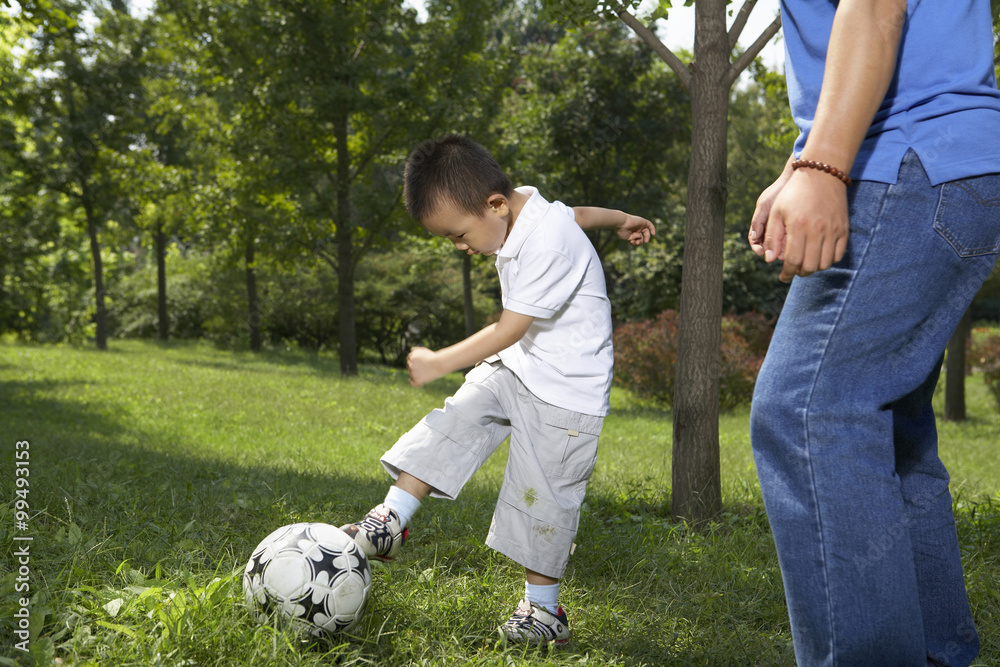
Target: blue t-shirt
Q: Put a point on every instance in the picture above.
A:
(943, 100)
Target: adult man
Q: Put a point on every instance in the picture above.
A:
(887, 217)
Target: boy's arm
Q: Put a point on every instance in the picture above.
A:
(427, 365)
(630, 227)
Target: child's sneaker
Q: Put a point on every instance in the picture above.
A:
(378, 534)
(531, 624)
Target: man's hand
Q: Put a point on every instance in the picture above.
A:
(759, 221)
(801, 220)
(422, 365)
(806, 225)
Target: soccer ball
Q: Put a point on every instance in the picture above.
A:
(311, 573)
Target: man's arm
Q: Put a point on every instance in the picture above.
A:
(630, 227)
(427, 365)
(807, 218)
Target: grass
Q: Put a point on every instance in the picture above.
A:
(155, 470)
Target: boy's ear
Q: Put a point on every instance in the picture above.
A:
(498, 203)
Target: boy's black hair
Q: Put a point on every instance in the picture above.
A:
(453, 168)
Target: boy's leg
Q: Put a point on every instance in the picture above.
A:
(538, 618)
(552, 454)
(541, 590)
(437, 457)
(413, 486)
(382, 532)
(539, 579)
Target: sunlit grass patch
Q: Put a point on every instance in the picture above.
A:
(155, 470)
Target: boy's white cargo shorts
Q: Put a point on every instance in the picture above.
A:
(552, 454)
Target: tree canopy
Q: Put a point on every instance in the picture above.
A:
(200, 169)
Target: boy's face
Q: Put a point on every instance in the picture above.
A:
(475, 234)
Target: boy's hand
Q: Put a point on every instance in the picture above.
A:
(630, 227)
(422, 365)
(636, 230)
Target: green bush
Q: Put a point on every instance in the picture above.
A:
(193, 284)
(298, 307)
(646, 357)
(414, 296)
(408, 295)
(986, 355)
(646, 280)
(47, 284)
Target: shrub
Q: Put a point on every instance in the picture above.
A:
(646, 357)
(413, 295)
(407, 295)
(755, 328)
(740, 363)
(192, 289)
(986, 354)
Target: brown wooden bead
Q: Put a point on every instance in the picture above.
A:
(822, 166)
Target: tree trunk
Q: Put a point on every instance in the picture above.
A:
(344, 236)
(163, 322)
(470, 312)
(253, 301)
(101, 316)
(955, 369)
(697, 492)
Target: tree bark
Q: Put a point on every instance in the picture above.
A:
(697, 492)
(253, 301)
(87, 200)
(163, 323)
(101, 316)
(344, 237)
(696, 477)
(955, 369)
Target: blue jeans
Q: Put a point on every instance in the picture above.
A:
(844, 436)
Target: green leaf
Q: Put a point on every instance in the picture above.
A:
(113, 607)
(124, 629)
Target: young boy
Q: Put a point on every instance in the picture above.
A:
(544, 377)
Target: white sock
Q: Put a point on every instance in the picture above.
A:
(405, 504)
(546, 597)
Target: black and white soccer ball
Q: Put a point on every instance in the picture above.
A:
(311, 573)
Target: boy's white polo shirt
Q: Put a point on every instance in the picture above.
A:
(549, 270)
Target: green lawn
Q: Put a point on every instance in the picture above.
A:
(154, 470)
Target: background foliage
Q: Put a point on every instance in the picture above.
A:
(232, 158)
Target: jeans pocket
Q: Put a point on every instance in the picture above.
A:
(968, 215)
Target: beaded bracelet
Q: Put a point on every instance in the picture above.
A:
(833, 171)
